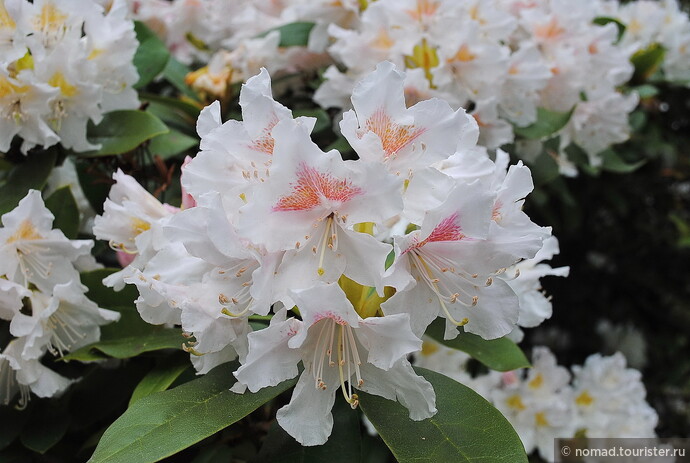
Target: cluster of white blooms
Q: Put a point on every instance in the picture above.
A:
(61, 65)
(43, 300)
(366, 253)
(503, 58)
(601, 399)
(236, 38)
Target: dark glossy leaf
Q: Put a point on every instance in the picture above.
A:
(466, 428)
(293, 34)
(12, 422)
(106, 297)
(547, 124)
(344, 444)
(30, 174)
(613, 162)
(122, 131)
(167, 422)
(190, 108)
(161, 377)
(215, 454)
(47, 425)
(151, 57)
(171, 144)
(500, 354)
(604, 20)
(64, 207)
(130, 346)
(175, 73)
(647, 61)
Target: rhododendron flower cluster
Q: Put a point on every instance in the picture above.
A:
(502, 60)
(63, 64)
(602, 398)
(355, 258)
(43, 299)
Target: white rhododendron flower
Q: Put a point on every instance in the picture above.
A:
(336, 347)
(32, 252)
(43, 300)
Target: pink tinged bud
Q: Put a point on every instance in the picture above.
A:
(187, 199)
(125, 258)
(508, 378)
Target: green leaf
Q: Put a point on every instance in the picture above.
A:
(102, 295)
(215, 454)
(465, 429)
(613, 162)
(160, 378)
(647, 61)
(122, 131)
(344, 444)
(175, 73)
(604, 20)
(500, 354)
(166, 422)
(151, 57)
(171, 144)
(129, 346)
(547, 124)
(46, 427)
(12, 422)
(64, 207)
(31, 174)
(646, 91)
(191, 109)
(323, 121)
(293, 35)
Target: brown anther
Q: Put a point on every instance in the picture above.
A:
(223, 299)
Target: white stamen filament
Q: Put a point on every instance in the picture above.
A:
(31, 265)
(347, 358)
(429, 268)
(329, 239)
(64, 335)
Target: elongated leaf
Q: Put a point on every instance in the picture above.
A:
(175, 72)
(603, 20)
(130, 346)
(122, 131)
(547, 124)
(612, 162)
(12, 422)
(64, 207)
(344, 444)
(47, 425)
(647, 61)
(171, 144)
(30, 174)
(102, 295)
(160, 378)
(166, 422)
(190, 108)
(498, 354)
(466, 428)
(293, 34)
(151, 57)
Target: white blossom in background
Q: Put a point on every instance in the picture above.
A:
(68, 63)
(43, 300)
(610, 399)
